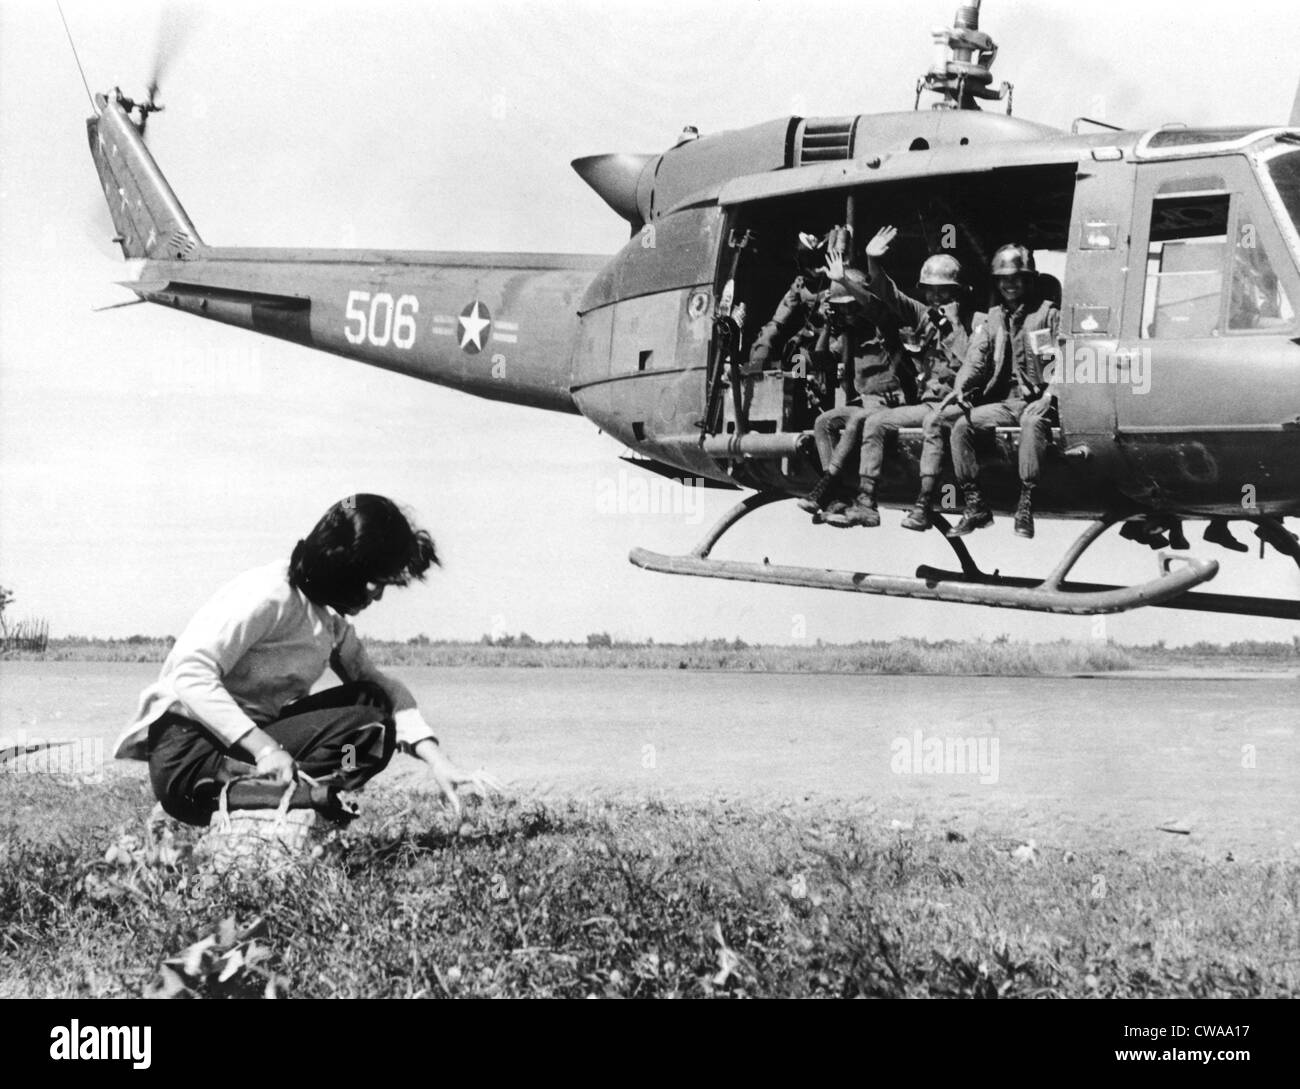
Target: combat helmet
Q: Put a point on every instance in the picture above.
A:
(1012, 259)
(940, 270)
(810, 253)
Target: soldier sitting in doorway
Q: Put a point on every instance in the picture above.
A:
(1002, 383)
(876, 378)
(941, 334)
(799, 317)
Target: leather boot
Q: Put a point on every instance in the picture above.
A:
(918, 518)
(1024, 523)
(816, 499)
(1217, 532)
(975, 516)
(833, 509)
(861, 512)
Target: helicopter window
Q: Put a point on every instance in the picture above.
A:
(1185, 265)
(1285, 172)
(1258, 300)
(1181, 137)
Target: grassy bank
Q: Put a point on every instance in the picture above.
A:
(605, 898)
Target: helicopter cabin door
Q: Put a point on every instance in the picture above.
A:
(1092, 303)
(1207, 382)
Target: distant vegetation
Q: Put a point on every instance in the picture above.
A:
(30, 634)
(1000, 656)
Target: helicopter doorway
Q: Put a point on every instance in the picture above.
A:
(965, 215)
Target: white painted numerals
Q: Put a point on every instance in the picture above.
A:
(375, 319)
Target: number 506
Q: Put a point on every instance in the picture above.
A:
(382, 322)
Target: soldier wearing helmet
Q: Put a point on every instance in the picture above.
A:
(941, 326)
(797, 321)
(875, 380)
(1003, 383)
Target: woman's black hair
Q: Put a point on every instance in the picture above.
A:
(362, 539)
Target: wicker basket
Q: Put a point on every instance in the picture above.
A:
(256, 841)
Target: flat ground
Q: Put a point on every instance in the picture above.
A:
(703, 833)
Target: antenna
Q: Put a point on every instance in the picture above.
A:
(75, 57)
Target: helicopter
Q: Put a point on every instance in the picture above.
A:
(1154, 237)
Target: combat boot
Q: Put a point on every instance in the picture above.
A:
(861, 512)
(833, 509)
(918, 518)
(1217, 532)
(975, 516)
(815, 500)
(1024, 523)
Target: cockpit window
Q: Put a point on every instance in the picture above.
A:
(1258, 299)
(1285, 172)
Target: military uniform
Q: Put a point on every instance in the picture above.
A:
(795, 324)
(1004, 375)
(943, 334)
(879, 376)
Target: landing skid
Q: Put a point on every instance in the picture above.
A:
(972, 586)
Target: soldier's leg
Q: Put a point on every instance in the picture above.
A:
(827, 430)
(847, 457)
(876, 429)
(976, 514)
(826, 433)
(844, 451)
(1035, 433)
(875, 434)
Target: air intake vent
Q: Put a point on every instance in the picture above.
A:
(824, 139)
(182, 244)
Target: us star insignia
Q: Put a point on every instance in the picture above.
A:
(475, 323)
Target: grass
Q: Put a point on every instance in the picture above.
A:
(621, 898)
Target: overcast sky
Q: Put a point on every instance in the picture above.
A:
(146, 457)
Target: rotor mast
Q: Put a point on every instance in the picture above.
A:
(961, 72)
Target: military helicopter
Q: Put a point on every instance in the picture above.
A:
(1176, 250)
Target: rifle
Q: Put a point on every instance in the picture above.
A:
(726, 343)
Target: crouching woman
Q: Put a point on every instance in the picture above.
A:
(231, 706)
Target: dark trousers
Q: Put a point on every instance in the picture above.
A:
(890, 421)
(1034, 418)
(343, 735)
(838, 433)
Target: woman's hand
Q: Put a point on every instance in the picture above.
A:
(277, 765)
(834, 267)
(450, 778)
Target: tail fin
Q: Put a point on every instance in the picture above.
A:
(149, 219)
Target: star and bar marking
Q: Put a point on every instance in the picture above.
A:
(474, 328)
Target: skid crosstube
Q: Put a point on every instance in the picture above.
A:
(971, 586)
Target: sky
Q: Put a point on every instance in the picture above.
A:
(147, 457)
